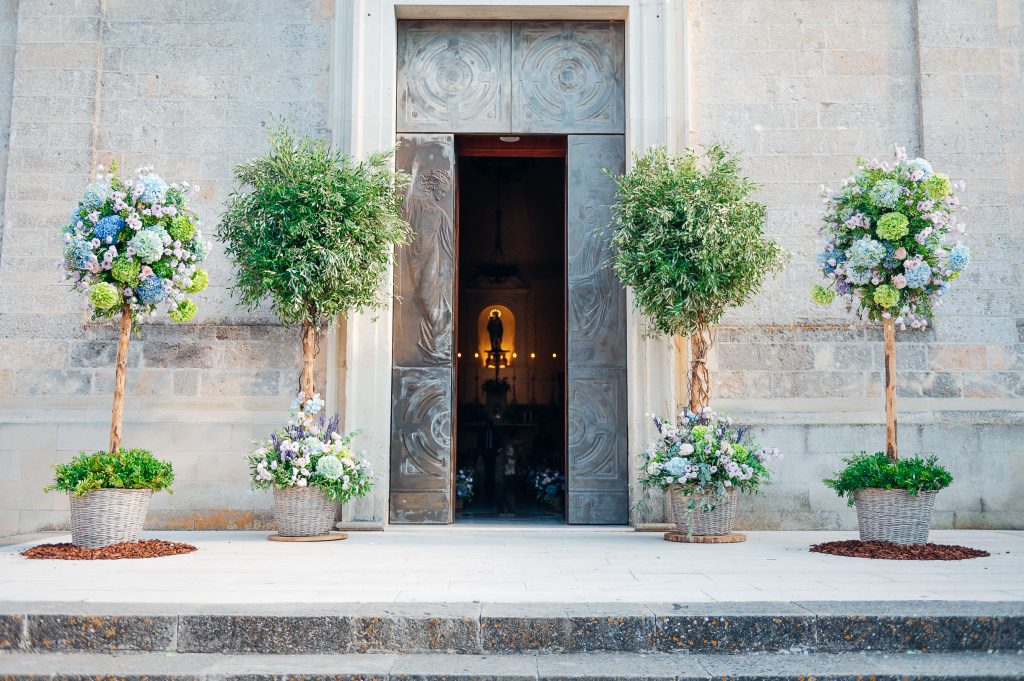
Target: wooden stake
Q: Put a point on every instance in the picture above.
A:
(889, 334)
(120, 378)
(700, 380)
(308, 356)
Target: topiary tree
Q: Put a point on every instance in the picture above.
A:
(688, 240)
(889, 252)
(314, 233)
(134, 247)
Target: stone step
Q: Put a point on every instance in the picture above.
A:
(579, 666)
(509, 628)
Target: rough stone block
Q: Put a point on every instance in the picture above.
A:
(520, 628)
(442, 627)
(11, 631)
(731, 628)
(101, 632)
(290, 635)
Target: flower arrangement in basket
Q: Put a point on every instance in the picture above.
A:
(549, 484)
(891, 250)
(703, 460)
(464, 484)
(309, 452)
(133, 247)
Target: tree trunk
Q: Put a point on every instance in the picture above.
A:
(700, 379)
(120, 378)
(308, 357)
(889, 334)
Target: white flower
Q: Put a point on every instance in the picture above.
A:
(301, 482)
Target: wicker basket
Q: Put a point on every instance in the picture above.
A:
(108, 516)
(894, 515)
(303, 512)
(717, 521)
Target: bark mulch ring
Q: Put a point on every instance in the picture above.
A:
(148, 548)
(889, 551)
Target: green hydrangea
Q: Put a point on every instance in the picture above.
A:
(200, 280)
(893, 226)
(185, 311)
(104, 296)
(125, 270)
(886, 296)
(822, 295)
(147, 245)
(163, 269)
(181, 229)
(938, 186)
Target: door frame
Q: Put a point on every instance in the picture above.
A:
(363, 119)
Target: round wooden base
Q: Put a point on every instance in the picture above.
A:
(732, 538)
(333, 536)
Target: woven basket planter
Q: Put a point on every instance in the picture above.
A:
(717, 521)
(108, 516)
(894, 515)
(303, 512)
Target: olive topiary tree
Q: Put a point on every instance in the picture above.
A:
(688, 240)
(314, 233)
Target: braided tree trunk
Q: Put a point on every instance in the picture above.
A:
(700, 379)
(889, 336)
(308, 357)
(120, 378)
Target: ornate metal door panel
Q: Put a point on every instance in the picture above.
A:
(567, 77)
(421, 409)
(596, 345)
(453, 76)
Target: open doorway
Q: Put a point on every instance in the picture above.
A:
(511, 329)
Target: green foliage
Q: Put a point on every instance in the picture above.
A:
(865, 471)
(316, 231)
(688, 238)
(131, 469)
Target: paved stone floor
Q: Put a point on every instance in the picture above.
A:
(543, 564)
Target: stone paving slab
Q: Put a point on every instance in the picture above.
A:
(580, 667)
(502, 628)
(466, 564)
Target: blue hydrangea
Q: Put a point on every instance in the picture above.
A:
(885, 193)
(959, 257)
(676, 466)
(76, 215)
(154, 188)
(922, 165)
(836, 256)
(917, 277)
(313, 445)
(859, 275)
(330, 467)
(109, 226)
(865, 253)
(148, 245)
(152, 290)
(76, 253)
(95, 195)
(890, 262)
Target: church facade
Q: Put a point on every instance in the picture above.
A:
(510, 354)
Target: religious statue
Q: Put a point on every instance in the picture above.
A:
(496, 330)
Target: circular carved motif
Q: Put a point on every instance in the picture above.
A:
(569, 76)
(453, 76)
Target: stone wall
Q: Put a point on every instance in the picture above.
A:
(187, 87)
(799, 86)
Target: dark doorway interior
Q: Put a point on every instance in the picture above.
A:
(510, 365)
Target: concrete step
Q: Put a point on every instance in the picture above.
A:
(512, 628)
(579, 666)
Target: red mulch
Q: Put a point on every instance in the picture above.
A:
(148, 548)
(889, 551)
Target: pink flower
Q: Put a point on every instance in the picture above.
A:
(900, 253)
(146, 271)
(899, 281)
(94, 216)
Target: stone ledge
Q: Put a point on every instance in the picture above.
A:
(513, 628)
(604, 666)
